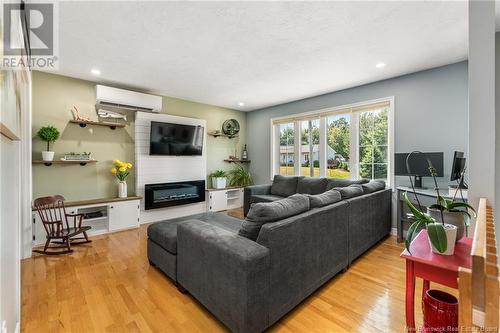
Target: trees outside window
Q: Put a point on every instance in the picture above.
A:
(373, 148)
(338, 150)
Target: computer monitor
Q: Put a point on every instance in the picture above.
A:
(457, 168)
(419, 166)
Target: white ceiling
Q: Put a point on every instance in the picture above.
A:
(259, 53)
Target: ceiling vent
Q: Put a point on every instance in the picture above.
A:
(119, 99)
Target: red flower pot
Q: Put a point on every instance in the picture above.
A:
(440, 312)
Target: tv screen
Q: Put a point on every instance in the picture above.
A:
(175, 139)
(418, 164)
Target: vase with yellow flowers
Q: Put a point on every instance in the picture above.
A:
(121, 171)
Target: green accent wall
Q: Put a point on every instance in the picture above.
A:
(53, 97)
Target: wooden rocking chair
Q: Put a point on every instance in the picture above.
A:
(55, 222)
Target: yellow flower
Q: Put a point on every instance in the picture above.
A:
(129, 165)
(113, 171)
(122, 169)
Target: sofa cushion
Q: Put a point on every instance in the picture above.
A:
(265, 198)
(265, 212)
(339, 182)
(373, 186)
(311, 185)
(350, 191)
(284, 186)
(164, 233)
(325, 198)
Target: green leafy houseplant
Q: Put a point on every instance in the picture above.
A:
(218, 174)
(219, 179)
(48, 134)
(448, 205)
(435, 230)
(240, 176)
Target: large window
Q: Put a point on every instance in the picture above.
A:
(348, 142)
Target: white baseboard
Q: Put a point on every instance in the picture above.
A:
(18, 327)
(394, 231)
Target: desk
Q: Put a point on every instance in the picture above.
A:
(426, 197)
(425, 264)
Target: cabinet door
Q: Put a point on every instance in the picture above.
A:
(123, 215)
(217, 200)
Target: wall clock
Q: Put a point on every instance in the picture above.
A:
(231, 127)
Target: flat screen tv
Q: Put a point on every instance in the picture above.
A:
(175, 139)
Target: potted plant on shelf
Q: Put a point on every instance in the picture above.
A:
(219, 179)
(48, 134)
(440, 219)
(240, 176)
(121, 171)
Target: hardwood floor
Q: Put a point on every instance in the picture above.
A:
(108, 286)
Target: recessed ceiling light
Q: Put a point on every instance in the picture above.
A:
(95, 71)
(380, 65)
(241, 104)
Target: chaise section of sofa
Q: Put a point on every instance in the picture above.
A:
(225, 272)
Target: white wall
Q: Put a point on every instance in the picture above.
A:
(481, 161)
(166, 169)
(15, 112)
(9, 233)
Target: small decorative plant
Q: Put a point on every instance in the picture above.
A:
(240, 176)
(218, 179)
(438, 232)
(121, 170)
(48, 134)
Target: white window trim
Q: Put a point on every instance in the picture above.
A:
(322, 115)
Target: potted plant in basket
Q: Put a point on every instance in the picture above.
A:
(442, 220)
(48, 134)
(219, 179)
(121, 171)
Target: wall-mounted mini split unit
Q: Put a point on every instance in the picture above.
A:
(119, 99)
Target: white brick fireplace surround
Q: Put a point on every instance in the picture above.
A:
(166, 169)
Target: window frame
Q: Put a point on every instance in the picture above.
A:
(354, 111)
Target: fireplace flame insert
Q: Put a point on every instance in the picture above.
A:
(174, 194)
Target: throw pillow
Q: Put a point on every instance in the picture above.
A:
(350, 191)
(265, 212)
(284, 186)
(338, 182)
(373, 186)
(310, 185)
(325, 198)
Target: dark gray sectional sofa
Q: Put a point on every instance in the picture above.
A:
(249, 285)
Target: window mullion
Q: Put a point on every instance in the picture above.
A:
(323, 143)
(297, 141)
(354, 145)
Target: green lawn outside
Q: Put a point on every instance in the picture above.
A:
(304, 171)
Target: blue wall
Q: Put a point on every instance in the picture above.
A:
(430, 115)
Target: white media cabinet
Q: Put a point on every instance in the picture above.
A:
(112, 214)
(224, 199)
